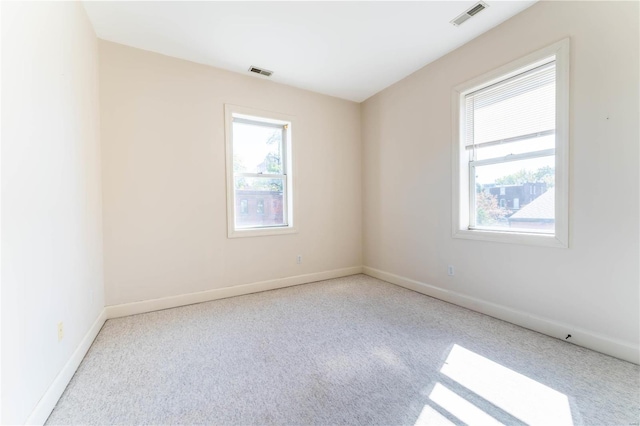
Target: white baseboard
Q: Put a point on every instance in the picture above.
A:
(125, 309)
(579, 336)
(49, 400)
(47, 403)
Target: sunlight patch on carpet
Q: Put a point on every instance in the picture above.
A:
(522, 397)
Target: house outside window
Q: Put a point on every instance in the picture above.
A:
(260, 196)
(511, 152)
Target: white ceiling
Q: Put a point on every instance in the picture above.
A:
(351, 50)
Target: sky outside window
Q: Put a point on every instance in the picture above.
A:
(251, 147)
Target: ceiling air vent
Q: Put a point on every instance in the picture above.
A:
(469, 13)
(261, 71)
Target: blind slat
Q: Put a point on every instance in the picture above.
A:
(521, 105)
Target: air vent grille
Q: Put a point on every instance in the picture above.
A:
(475, 9)
(469, 13)
(260, 71)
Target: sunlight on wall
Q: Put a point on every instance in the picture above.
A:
(518, 395)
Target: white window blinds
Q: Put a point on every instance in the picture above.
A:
(519, 108)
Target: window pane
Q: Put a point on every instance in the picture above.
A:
(244, 206)
(520, 147)
(516, 107)
(265, 203)
(257, 149)
(516, 196)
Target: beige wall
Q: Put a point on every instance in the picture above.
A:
(51, 196)
(163, 144)
(406, 132)
(163, 182)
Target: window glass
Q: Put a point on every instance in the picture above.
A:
(511, 151)
(257, 149)
(259, 184)
(511, 147)
(500, 194)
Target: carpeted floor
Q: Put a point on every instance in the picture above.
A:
(353, 350)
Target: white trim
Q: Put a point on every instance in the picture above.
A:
(460, 212)
(262, 232)
(513, 157)
(540, 240)
(579, 336)
(262, 175)
(614, 347)
(125, 309)
(50, 398)
(47, 403)
(563, 64)
(290, 195)
(511, 139)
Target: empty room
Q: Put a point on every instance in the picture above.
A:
(320, 213)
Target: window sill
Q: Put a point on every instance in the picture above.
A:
(261, 232)
(540, 240)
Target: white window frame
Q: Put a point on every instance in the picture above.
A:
(290, 197)
(462, 192)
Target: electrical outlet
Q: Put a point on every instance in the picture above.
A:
(60, 331)
(299, 259)
(450, 271)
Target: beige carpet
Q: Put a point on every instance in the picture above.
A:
(353, 350)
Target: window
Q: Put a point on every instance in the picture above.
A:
(510, 138)
(244, 206)
(259, 172)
